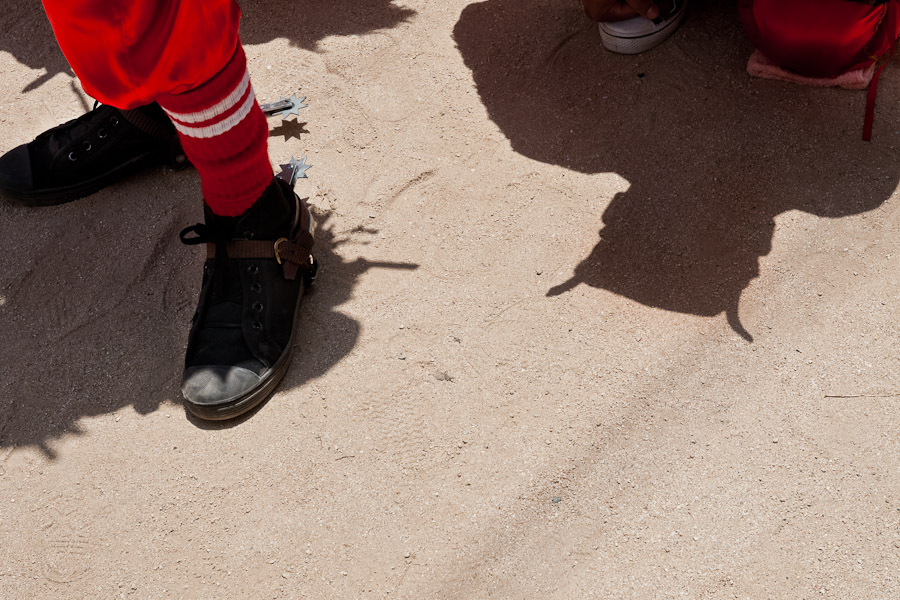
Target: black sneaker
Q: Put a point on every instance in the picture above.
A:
(86, 154)
(242, 337)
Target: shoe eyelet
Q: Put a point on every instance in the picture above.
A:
(256, 325)
(257, 306)
(86, 146)
(114, 121)
(102, 133)
(72, 156)
(255, 287)
(253, 269)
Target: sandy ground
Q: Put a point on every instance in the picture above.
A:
(584, 328)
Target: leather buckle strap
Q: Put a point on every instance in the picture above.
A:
(292, 255)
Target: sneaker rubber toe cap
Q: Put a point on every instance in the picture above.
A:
(15, 172)
(215, 386)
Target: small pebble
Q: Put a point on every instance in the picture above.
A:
(557, 499)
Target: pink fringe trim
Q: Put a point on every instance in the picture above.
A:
(760, 66)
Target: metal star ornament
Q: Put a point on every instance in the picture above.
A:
(285, 107)
(296, 105)
(294, 170)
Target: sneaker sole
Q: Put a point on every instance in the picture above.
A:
(255, 396)
(639, 44)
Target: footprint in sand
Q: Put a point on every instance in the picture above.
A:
(68, 552)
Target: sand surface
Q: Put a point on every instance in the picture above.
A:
(587, 326)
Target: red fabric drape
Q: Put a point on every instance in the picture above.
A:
(819, 38)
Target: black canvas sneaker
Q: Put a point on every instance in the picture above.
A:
(84, 155)
(258, 267)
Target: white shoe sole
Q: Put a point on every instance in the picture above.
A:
(616, 42)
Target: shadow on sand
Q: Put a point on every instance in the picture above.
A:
(711, 156)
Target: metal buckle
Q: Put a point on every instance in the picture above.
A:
(277, 254)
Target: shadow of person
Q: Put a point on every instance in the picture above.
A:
(27, 36)
(305, 24)
(711, 157)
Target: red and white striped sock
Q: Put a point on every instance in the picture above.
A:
(225, 135)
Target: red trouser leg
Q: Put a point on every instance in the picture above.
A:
(186, 55)
(129, 52)
(817, 38)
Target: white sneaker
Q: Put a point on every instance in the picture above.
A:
(639, 34)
